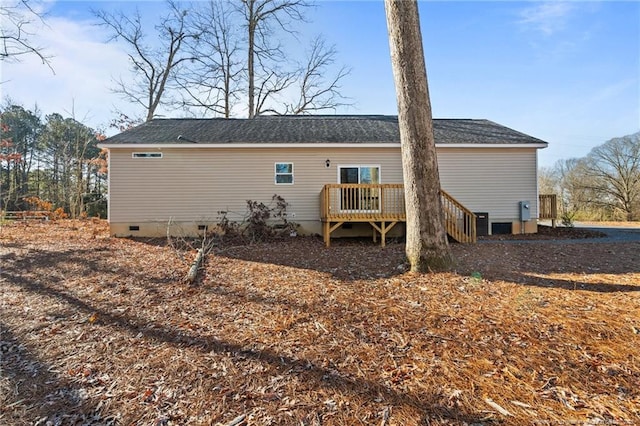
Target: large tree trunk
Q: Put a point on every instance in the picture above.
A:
(427, 247)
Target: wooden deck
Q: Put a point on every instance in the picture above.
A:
(382, 206)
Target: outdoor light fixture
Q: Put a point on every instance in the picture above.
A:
(327, 163)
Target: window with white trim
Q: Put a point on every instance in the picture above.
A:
(355, 195)
(359, 174)
(146, 155)
(284, 173)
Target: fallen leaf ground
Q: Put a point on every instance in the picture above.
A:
(98, 330)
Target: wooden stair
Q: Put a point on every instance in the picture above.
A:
(459, 220)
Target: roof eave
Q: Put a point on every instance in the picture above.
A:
(540, 145)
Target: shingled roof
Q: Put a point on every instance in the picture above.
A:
(312, 129)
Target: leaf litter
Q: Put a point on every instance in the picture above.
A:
(100, 330)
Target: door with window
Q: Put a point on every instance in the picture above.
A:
(358, 198)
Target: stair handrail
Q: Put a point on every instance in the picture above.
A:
(465, 233)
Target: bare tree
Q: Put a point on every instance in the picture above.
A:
(548, 182)
(16, 18)
(20, 131)
(154, 68)
(317, 92)
(427, 248)
(213, 81)
(265, 78)
(570, 174)
(615, 169)
(201, 59)
(68, 147)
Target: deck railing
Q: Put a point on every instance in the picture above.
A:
(384, 203)
(362, 202)
(548, 206)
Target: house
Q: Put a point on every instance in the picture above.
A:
(334, 171)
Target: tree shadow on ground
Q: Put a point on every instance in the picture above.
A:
(347, 259)
(78, 261)
(354, 259)
(558, 265)
(566, 284)
(38, 395)
(308, 371)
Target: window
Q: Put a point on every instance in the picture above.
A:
(147, 155)
(359, 174)
(284, 173)
(354, 196)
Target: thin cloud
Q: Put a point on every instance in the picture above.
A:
(547, 17)
(611, 91)
(84, 65)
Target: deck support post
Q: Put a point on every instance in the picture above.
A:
(328, 229)
(325, 233)
(382, 229)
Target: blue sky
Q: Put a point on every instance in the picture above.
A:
(565, 72)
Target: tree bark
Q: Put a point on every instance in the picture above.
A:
(427, 248)
(251, 67)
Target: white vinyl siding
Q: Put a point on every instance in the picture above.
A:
(491, 180)
(195, 184)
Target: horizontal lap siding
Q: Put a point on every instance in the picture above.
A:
(195, 184)
(491, 179)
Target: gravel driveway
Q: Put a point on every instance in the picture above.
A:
(614, 233)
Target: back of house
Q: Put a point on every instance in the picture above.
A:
(185, 172)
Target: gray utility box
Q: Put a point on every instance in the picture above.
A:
(525, 210)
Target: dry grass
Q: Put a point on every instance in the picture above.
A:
(101, 329)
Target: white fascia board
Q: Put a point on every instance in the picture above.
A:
(140, 146)
(492, 145)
